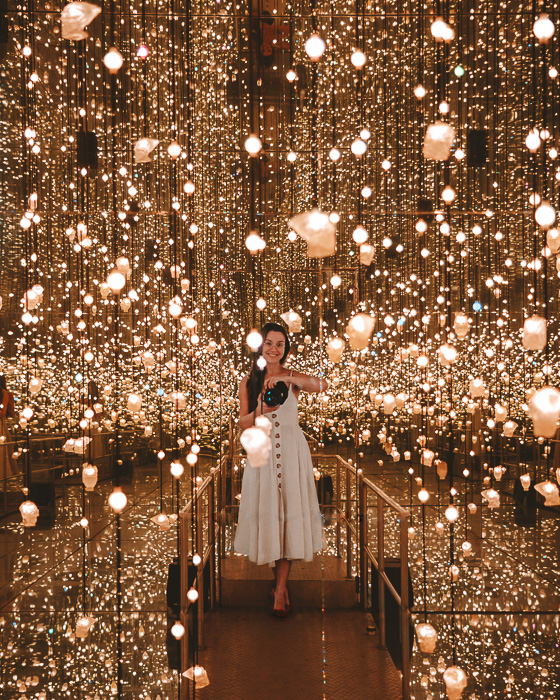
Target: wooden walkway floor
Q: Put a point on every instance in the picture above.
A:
(310, 655)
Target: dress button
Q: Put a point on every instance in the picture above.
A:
(277, 424)
(278, 456)
(274, 415)
(277, 444)
(279, 476)
(278, 466)
(277, 435)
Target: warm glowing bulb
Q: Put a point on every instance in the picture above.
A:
(192, 595)
(358, 147)
(336, 281)
(253, 145)
(441, 31)
(533, 140)
(543, 28)
(116, 281)
(178, 630)
(254, 243)
(419, 91)
(448, 194)
(315, 47)
(423, 496)
(334, 154)
(545, 216)
(118, 500)
(176, 469)
(113, 60)
(261, 304)
(291, 75)
(188, 187)
(358, 59)
(451, 513)
(174, 150)
(142, 51)
(254, 340)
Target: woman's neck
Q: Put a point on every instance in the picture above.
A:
(270, 370)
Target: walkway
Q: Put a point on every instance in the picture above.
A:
(311, 654)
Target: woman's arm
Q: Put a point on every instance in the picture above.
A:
(246, 419)
(300, 382)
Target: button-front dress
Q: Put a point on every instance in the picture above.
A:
(279, 516)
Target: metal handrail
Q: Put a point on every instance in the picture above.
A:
(365, 486)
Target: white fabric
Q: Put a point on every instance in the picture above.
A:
(279, 516)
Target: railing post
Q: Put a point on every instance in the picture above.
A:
(362, 519)
(212, 542)
(381, 569)
(200, 574)
(404, 609)
(338, 508)
(184, 567)
(348, 529)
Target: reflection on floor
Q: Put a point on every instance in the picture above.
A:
(51, 578)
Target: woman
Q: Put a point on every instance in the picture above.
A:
(7, 410)
(279, 516)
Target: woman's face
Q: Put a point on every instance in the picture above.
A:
(274, 346)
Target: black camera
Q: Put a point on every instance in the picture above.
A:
(276, 395)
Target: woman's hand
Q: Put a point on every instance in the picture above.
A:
(273, 381)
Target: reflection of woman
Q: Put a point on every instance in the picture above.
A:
(279, 517)
(7, 410)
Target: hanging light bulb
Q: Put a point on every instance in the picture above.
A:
(291, 75)
(255, 243)
(448, 194)
(419, 91)
(336, 281)
(254, 340)
(451, 513)
(545, 216)
(334, 154)
(253, 145)
(113, 60)
(118, 499)
(176, 469)
(543, 28)
(533, 140)
(358, 147)
(360, 235)
(116, 281)
(174, 150)
(441, 31)
(315, 47)
(142, 51)
(178, 630)
(29, 513)
(188, 187)
(358, 59)
(423, 495)
(175, 308)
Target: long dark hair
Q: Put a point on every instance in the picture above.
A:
(256, 376)
(3, 384)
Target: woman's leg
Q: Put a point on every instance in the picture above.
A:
(281, 600)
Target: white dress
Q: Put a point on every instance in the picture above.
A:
(279, 516)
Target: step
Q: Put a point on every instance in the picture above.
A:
(319, 584)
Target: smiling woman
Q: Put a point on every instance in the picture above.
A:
(279, 517)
